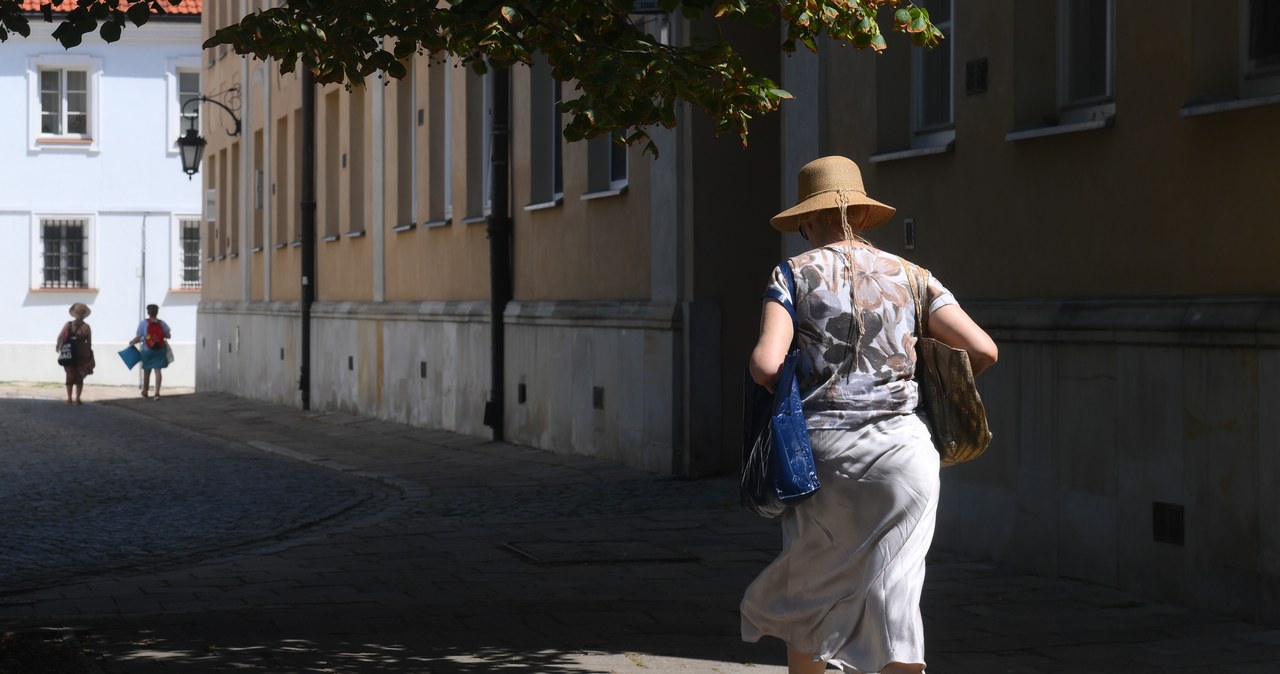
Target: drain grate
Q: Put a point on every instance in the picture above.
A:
(552, 553)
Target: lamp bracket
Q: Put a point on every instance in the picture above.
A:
(232, 94)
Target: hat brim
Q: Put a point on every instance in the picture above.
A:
(80, 314)
(877, 213)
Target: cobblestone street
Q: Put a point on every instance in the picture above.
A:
(90, 490)
(332, 543)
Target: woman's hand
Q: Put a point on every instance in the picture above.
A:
(776, 331)
(953, 327)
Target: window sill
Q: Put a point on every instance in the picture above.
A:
(256, 249)
(544, 205)
(604, 194)
(278, 246)
(330, 238)
(914, 152)
(232, 256)
(1043, 131)
(1214, 107)
(55, 143)
(64, 290)
(356, 234)
(185, 291)
(296, 243)
(398, 229)
(432, 224)
(475, 219)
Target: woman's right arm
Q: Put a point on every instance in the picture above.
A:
(953, 327)
(776, 331)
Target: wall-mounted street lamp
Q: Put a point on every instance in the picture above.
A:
(191, 144)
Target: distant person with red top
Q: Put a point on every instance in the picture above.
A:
(153, 333)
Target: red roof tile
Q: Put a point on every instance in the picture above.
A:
(184, 7)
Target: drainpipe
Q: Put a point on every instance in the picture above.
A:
(307, 222)
(499, 228)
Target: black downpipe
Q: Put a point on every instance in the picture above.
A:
(307, 223)
(499, 228)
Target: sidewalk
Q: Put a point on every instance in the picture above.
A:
(496, 557)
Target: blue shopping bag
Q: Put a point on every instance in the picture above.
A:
(130, 355)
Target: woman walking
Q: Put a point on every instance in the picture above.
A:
(845, 590)
(153, 333)
(78, 333)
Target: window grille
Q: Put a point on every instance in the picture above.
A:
(190, 254)
(64, 257)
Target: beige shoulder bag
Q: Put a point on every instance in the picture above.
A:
(948, 391)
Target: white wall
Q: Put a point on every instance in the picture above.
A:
(132, 179)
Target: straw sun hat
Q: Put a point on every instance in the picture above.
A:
(832, 182)
(80, 310)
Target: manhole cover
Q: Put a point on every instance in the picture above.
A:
(613, 552)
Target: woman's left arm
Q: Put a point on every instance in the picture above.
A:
(953, 327)
(776, 332)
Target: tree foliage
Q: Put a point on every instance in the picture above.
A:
(627, 79)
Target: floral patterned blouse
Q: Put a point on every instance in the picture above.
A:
(843, 386)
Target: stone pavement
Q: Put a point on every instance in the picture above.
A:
(494, 557)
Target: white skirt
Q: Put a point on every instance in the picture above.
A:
(846, 586)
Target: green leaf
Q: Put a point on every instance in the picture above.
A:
(67, 35)
(138, 13)
(110, 31)
(902, 16)
(781, 93)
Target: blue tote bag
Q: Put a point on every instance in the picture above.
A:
(777, 459)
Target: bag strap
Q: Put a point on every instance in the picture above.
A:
(918, 283)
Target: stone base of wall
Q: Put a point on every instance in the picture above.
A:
(593, 378)
(39, 363)
(590, 378)
(1137, 444)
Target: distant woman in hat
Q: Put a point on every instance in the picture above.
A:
(82, 348)
(845, 590)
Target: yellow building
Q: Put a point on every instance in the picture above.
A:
(1097, 182)
(635, 282)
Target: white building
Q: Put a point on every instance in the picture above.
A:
(94, 206)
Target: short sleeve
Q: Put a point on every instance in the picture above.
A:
(779, 289)
(142, 329)
(939, 296)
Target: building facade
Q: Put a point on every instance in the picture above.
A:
(634, 281)
(1095, 180)
(94, 206)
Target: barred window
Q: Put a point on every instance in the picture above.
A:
(64, 253)
(190, 254)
